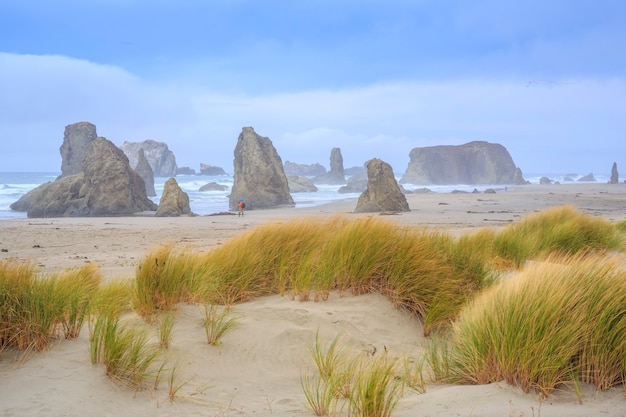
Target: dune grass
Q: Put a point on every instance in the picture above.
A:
(216, 323)
(559, 321)
(35, 309)
(369, 386)
(426, 272)
(560, 229)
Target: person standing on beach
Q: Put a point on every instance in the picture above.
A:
(242, 206)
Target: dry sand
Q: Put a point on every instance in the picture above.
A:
(256, 370)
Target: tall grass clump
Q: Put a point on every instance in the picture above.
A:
(36, 309)
(124, 350)
(216, 323)
(369, 386)
(559, 321)
(165, 278)
(561, 229)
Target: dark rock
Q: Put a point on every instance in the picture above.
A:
(259, 178)
(336, 175)
(213, 186)
(568, 178)
(490, 191)
(185, 171)
(211, 170)
(298, 184)
(145, 172)
(76, 141)
(304, 170)
(161, 159)
(614, 174)
(383, 193)
(473, 163)
(174, 201)
(108, 186)
(587, 178)
(545, 181)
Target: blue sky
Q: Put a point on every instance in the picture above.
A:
(546, 79)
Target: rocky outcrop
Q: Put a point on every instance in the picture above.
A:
(587, 178)
(174, 201)
(211, 170)
(144, 170)
(383, 193)
(614, 174)
(161, 159)
(76, 141)
(545, 181)
(518, 178)
(108, 186)
(259, 177)
(213, 186)
(336, 175)
(357, 183)
(304, 170)
(300, 184)
(185, 171)
(472, 163)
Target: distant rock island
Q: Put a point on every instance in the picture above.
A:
(160, 158)
(472, 163)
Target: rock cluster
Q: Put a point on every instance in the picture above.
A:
(304, 170)
(259, 177)
(336, 175)
(107, 186)
(383, 193)
(161, 159)
(473, 163)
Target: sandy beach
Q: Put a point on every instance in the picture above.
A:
(257, 368)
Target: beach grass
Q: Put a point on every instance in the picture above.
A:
(427, 272)
(560, 320)
(369, 386)
(216, 323)
(34, 310)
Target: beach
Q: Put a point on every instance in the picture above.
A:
(257, 368)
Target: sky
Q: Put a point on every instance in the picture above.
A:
(546, 79)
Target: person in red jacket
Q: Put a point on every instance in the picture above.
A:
(242, 206)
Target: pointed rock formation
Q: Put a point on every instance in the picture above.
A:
(336, 175)
(174, 201)
(259, 178)
(614, 174)
(144, 170)
(76, 141)
(108, 186)
(161, 159)
(383, 192)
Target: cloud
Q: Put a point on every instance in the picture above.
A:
(548, 125)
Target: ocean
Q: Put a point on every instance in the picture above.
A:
(14, 185)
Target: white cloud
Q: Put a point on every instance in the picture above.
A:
(547, 125)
